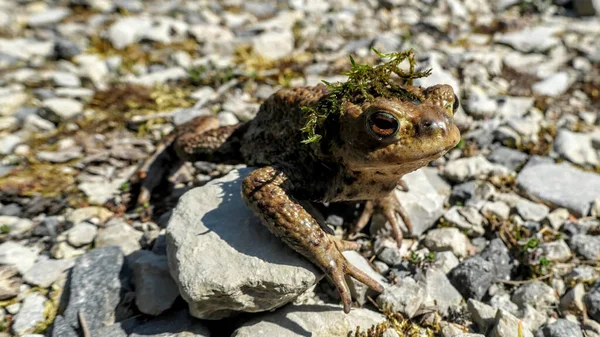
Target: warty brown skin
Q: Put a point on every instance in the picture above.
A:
(359, 158)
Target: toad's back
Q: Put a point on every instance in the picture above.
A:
(274, 137)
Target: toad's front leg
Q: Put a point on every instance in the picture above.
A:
(265, 191)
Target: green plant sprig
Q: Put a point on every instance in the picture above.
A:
(364, 82)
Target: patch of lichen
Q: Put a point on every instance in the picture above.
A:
(271, 71)
(142, 53)
(398, 323)
(364, 83)
(113, 109)
(50, 310)
(35, 178)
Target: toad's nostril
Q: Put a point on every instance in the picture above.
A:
(432, 126)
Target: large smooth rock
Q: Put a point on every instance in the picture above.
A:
(224, 260)
(309, 320)
(560, 184)
(95, 287)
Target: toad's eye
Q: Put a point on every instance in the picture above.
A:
(456, 104)
(382, 124)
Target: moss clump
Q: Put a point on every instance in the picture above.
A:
(395, 321)
(364, 82)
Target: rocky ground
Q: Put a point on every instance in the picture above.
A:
(507, 225)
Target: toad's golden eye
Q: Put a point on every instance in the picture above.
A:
(382, 124)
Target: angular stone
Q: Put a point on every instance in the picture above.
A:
(155, 290)
(406, 297)
(9, 282)
(531, 211)
(560, 184)
(15, 254)
(236, 264)
(473, 277)
(448, 238)
(537, 294)
(359, 291)
(424, 201)
(470, 168)
(506, 325)
(587, 246)
(45, 272)
(121, 235)
(560, 328)
(95, 287)
(309, 320)
(440, 294)
(30, 314)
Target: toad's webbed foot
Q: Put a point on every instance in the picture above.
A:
(265, 191)
(389, 206)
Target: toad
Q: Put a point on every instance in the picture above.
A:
(350, 141)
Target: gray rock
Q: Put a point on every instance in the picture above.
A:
(62, 156)
(576, 147)
(532, 211)
(556, 251)
(8, 143)
(497, 253)
(95, 287)
(10, 283)
(473, 277)
(173, 324)
(47, 18)
(424, 202)
(553, 86)
(537, 294)
(506, 325)
(15, 254)
(482, 314)
(502, 302)
(128, 30)
(499, 209)
(62, 108)
(466, 219)
(572, 300)
(447, 238)
(121, 235)
(15, 225)
(390, 255)
(513, 159)
(592, 302)
(30, 314)
(532, 318)
(406, 297)
(93, 214)
(45, 272)
(470, 168)
(359, 291)
(309, 320)
(66, 49)
(65, 79)
(236, 264)
(81, 234)
(445, 261)
(531, 39)
(560, 184)
(274, 44)
(159, 77)
(558, 217)
(155, 290)
(586, 245)
(440, 295)
(61, 328)
(560, 328)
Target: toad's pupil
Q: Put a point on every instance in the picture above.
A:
(383, 124)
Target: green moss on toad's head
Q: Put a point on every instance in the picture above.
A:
(364, 82)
